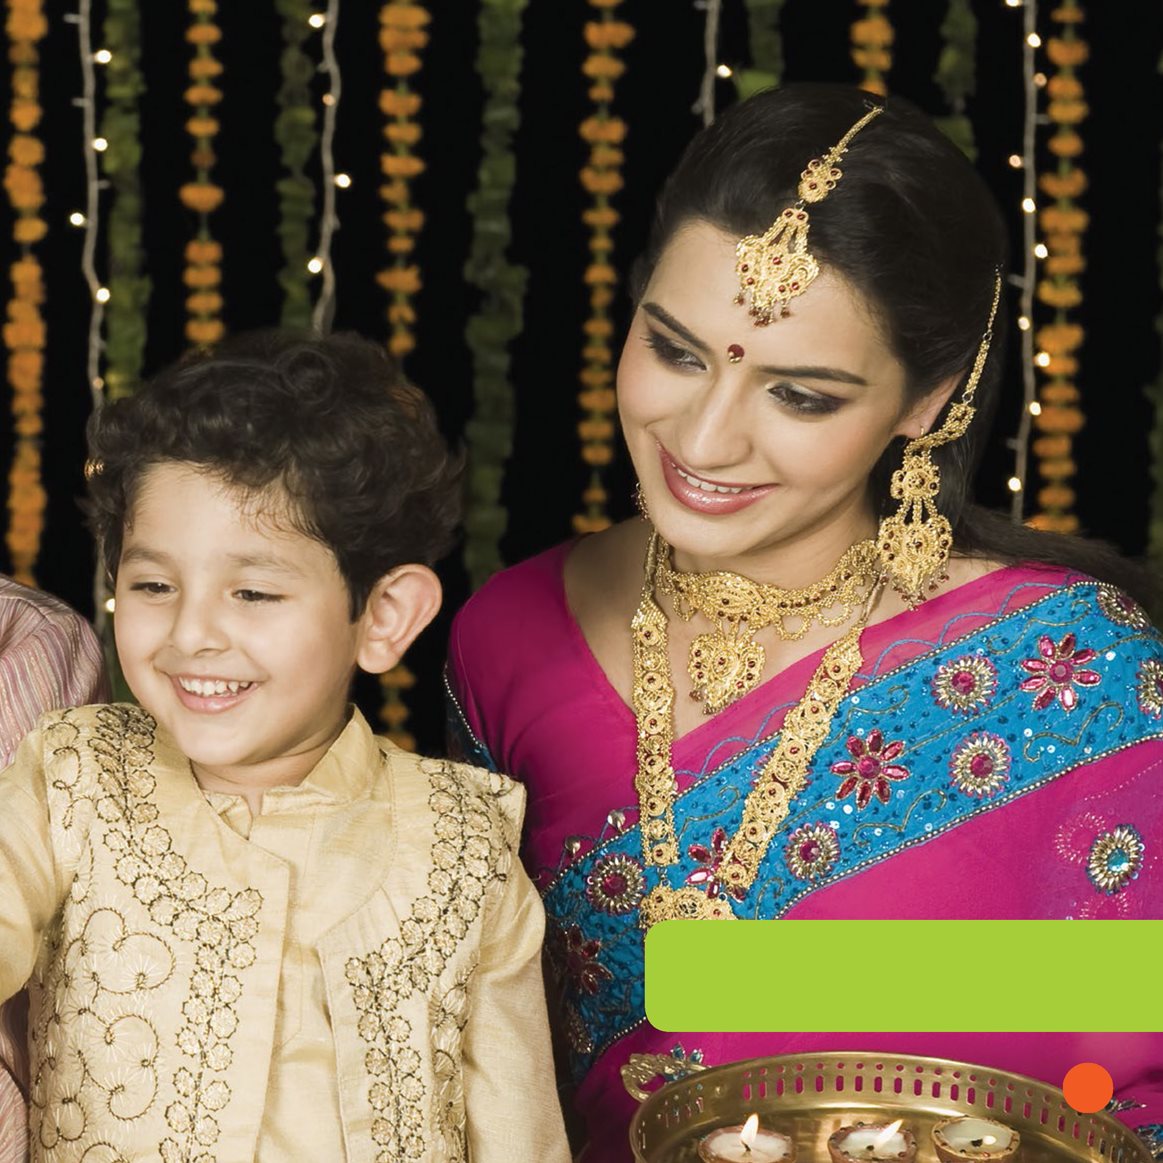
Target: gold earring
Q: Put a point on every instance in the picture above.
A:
(916, 540)
(640, 502)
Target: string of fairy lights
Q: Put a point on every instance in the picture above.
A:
(90, 218)
(712, 69)
(1033, 81)
(89, 221)
(324, 313)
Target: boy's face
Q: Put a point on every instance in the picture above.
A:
(233, 630)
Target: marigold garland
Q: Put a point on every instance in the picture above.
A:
(497, 323)
(602, 178)
(129, 285)
(872, 39)
(1063, 224)
(297, 137)
(955, 73)
(203, 273)
(402, 36)
(24, 326)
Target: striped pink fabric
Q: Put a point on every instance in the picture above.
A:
(49, 658)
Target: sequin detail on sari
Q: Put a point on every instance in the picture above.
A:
(1115, 859)
(981, 764)
(965, 684)
(1150, 688)
(812, 851)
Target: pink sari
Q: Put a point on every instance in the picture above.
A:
(1000, 755)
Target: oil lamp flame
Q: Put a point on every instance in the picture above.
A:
(887, 1134)
(749, 1131)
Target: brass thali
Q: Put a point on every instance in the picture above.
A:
(808, 1097)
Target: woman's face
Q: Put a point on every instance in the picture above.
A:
(769, 449)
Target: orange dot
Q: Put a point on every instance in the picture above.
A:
(1088, 1087)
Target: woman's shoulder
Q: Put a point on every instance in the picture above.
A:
(556, 581)
(517, 615)
(527, 589)
(1019, 583)
(1048, 579)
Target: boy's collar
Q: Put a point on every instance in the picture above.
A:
(343, 775)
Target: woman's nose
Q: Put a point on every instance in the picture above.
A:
(713, 432)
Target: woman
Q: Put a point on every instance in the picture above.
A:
(871, 726)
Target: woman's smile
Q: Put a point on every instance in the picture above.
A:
(707, 496)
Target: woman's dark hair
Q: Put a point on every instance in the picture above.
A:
(329, 420)
(914, 229)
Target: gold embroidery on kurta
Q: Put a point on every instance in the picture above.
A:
(447, 1018)
(468, 853)
(105, 965)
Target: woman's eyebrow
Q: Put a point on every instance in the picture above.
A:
(668, 320)
(837, 375)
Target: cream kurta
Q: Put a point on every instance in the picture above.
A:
(354, 975)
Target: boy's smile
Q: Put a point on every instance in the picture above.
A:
(211, 694)
(233, 630)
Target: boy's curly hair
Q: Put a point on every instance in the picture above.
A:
(329, 420)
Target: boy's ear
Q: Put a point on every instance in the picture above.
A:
(399, 606)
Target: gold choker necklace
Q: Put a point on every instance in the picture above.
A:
(727, 663)
(804, 729)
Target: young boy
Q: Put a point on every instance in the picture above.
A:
(251, 928)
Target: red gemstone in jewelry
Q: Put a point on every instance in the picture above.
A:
(734, 353)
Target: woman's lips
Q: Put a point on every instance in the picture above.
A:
(702, 500)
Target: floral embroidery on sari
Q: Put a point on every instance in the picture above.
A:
(965, 684)
(870, 769)
(1121, 608)
(812, 851)
(1115, 859)
(580, 957)
(1058, 671)
(615, 885)
(981, 764)
(709, 860)
(1150, 688)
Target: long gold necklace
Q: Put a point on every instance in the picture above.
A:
(804, 729)
(727, 663)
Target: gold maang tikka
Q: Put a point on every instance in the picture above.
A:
(916, 540)
(727, 663)
(775, 267)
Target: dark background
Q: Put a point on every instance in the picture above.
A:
(655, 97)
